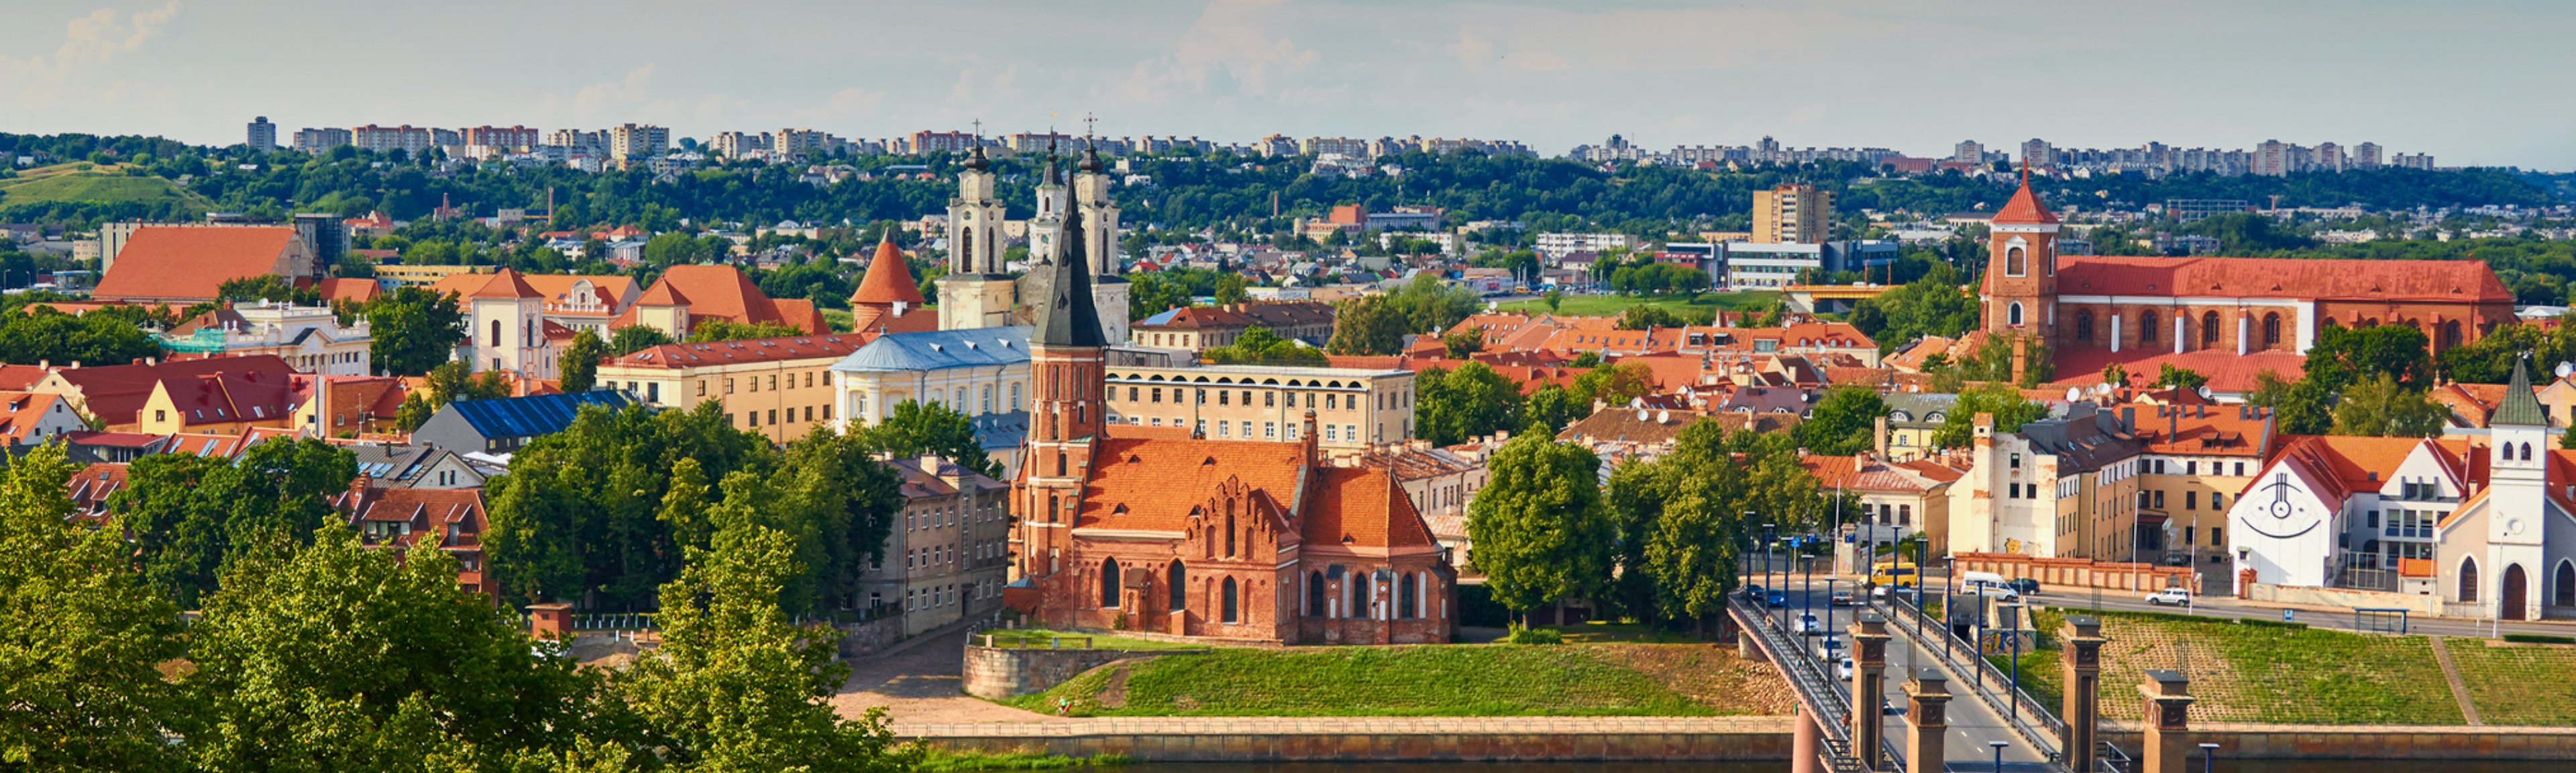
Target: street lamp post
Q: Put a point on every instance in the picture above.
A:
(1807, 586)
(2208, 757)
(1998, 746)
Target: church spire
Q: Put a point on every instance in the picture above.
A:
(1065, 314)
(2520, 407)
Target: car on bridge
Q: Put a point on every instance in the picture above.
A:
(1775, 599)
(1807, 625)
(2024, 585)
(2170, 597)
(1844, 598)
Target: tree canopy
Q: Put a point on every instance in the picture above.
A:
(1540, 530)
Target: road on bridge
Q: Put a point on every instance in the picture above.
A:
(1973, 724)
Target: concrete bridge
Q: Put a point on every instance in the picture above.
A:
(1921, 700)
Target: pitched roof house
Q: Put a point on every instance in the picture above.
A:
(187, 264)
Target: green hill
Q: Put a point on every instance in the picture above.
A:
(92, 188)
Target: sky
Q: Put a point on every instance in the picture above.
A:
(2472, 82)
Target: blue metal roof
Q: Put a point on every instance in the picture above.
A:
(532, 416)
(1163, 317)
(939, 350)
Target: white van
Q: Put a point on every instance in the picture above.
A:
(1987, 584)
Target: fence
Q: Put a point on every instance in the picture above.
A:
(2028, 717)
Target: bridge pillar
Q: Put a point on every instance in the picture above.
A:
(1806, 746)
(2168, 723)
(1869, 687)
(2082, 708)
(1926, 718)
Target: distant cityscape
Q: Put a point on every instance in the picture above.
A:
(643, 143)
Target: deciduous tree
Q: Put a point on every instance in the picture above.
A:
(80, 636)
(1540, 531)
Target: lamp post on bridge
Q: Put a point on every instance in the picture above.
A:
(1999, 754)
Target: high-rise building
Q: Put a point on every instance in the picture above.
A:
(2037, 152)
(263, 135)
(320, 140)
(379, 139)
(512, 137)
(2365, 156)
(1793, 214)
(1969, 152)
(637, 141)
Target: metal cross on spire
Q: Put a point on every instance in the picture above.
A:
(979, 129)
(1090, 124)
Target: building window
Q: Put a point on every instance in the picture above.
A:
(2084, 325)
(2014, 318)
(1015, 396)
(2209, 330)
(2016, 261)
(2147, 326)
(1109, 583)
(2271, 331)
(1233, 604)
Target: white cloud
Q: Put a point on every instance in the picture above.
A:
(90, 43)
(1232, 38)
(597, 98)
(848, 103)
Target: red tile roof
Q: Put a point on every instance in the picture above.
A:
(722, 292)
(113, 393)
(506, 283)
(2311, 279)
(189, 263)
(1152, 484)
(889, 279)
(696, 355)
(1363, 507)
(2024, 209)
(351, 290)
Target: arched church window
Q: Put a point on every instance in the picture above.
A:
(1109, 583)
(2014, 316)
(2016, 262)
(2450, 334)
(2147, 326)
(2271, 330)
(2084, 325)
(2209, 329)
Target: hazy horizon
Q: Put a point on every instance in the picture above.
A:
(2464, 84)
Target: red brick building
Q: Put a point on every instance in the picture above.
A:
(1147, 529)
(2204, 312)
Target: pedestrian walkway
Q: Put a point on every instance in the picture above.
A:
(1054, 727)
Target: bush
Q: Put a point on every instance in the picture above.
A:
(2536, 638)
(2271, 623)
(1521, 635)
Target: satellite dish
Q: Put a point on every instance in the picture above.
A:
(2074, 393)
(1637, 402)
(2565, 368)
(1641, 414)
(2204, 391)
(1663, 417)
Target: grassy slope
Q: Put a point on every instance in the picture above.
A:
(89, 187)
(1444, 680)
(2250, 673)
(1041, 638)
(2518, 684)
(1611, 305)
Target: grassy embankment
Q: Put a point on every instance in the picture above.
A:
(1436, 680)
(2253, 672)
(102, 185)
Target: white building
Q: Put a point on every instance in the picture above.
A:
(309, 338)
(981, 372)
(1561, 244)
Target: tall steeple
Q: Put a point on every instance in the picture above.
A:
(2021, 270)
(1064, 313)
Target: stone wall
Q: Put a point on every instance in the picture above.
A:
(996, 673)
(2080, 572)
(2420, 605)
(2369, 742)
(1267, 740)
(861, 639)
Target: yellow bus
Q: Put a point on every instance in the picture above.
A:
(1899, 573)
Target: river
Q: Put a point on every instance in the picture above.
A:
(2223, 766)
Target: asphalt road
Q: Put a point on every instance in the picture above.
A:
(1972, 724)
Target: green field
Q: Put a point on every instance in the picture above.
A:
(1041, 638)
(1435, 680)
(2518, 684)
(1612, 305)
(2260, 673)
(90, 187)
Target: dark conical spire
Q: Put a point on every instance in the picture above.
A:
(1065, 315)
(1090, 156)
(975, 158)
(2520, 407)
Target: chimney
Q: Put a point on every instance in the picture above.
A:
(2129, 418)
(1306, 436)
(2173, 424)
(1878, 435)
(2021, 361)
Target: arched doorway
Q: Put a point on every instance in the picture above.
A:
(2564, 587)
(1108, 583)
(2514, 593)
(2468, 580)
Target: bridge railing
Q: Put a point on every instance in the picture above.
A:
(2029, 718)
(1828, 697)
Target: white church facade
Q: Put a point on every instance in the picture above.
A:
(979, 292)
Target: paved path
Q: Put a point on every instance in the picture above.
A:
(2451, 674)
(921, 684)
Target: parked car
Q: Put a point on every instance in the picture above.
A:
(1808, 625)
(1844, 598)
(2024, 585)
(2170, 597)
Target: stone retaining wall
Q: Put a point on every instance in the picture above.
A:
(996, 673)
(1383, 739)
(2080, 572)
(2369, 742)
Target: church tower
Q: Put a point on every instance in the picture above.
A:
(1067, 357)
(1046, 228)
(2021, 267)
(1110, 292)
(2517, 506)
(975, 293)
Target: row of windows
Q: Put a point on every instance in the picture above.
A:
(752, 383)
(752, 419)
(1333, 433)
(2190, 500)
(2162, 466)
(1269, 398)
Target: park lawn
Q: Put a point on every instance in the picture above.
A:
(90, 187)
(1042, 638)
(2518, 684)
(1493, 680)
(1613, 305)
(2258, 673)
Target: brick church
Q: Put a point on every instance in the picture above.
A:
(2224, 317)
(1151, 529)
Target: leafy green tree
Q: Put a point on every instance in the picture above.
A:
(1453, 406)
(2004, 402)
(1539, 529)
(2343, 356)
(635, 338)
(1259, 346)
(579, 363)
(2117, 375)
(1933, 305)
(2179, 378)
(80, 636)
(265, 287)
(1554, 299)
(1229, 290)
(190, 516)
(2376, 406)
(2490, 359)
(1550, 408)
(1463, 344)
(1586, 360)
(1646, 316)
(414, 330)
(579, 516)
(706, 330)
(2302, 407)
(915, 429)
(1368, 325)
(735, 686)
(46, 335)
(1614, 385)
(1844, 421)
(335, 656)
